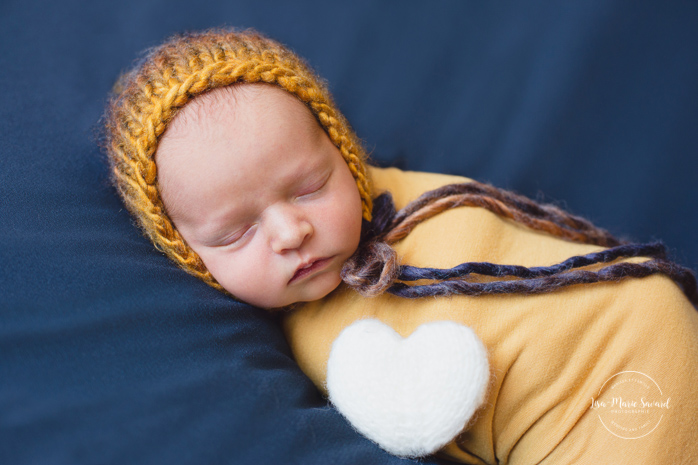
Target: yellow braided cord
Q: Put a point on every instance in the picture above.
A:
(148, 97)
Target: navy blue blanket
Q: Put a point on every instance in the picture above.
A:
(110, 354)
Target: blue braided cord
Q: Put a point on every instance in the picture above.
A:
(528, 286)
(413, 273)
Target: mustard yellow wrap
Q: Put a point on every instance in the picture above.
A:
(550, 354)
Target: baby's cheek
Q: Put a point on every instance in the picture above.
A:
(351, 219)
(347, 204)
(238, 272)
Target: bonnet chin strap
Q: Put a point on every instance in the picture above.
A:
(374, 268)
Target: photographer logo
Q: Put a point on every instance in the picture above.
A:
(630, 405)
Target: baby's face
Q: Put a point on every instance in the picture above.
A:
(259, 191)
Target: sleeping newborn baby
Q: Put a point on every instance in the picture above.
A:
(233, 158)
(257, 189)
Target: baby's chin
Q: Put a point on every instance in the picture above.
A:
(314, 290)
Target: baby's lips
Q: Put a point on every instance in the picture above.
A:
(308, 267)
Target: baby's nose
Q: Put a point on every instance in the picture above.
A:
(289, 230)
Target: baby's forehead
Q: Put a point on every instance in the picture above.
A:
(234, 100)
(218, 129)
(205, 106)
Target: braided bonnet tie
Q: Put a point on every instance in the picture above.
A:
(374, 268)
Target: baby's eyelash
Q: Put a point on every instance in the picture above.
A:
(315, 187)
(239, 236)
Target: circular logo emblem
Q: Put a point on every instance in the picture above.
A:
(630, 404)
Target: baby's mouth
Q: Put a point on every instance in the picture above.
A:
(306, 270)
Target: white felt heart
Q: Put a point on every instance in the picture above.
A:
(410, 395)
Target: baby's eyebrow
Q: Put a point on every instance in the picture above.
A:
(314, 172)
(302, 172)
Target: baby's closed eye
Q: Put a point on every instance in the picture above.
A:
(237, 238)
(314, 187)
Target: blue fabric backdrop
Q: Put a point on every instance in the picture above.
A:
(109, 354)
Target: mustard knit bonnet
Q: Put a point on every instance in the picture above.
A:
(148, 97)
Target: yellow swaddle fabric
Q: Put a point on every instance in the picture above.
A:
(551, 355)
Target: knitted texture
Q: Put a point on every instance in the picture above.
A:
(411, 396)
(374, 268)
(147, 98)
